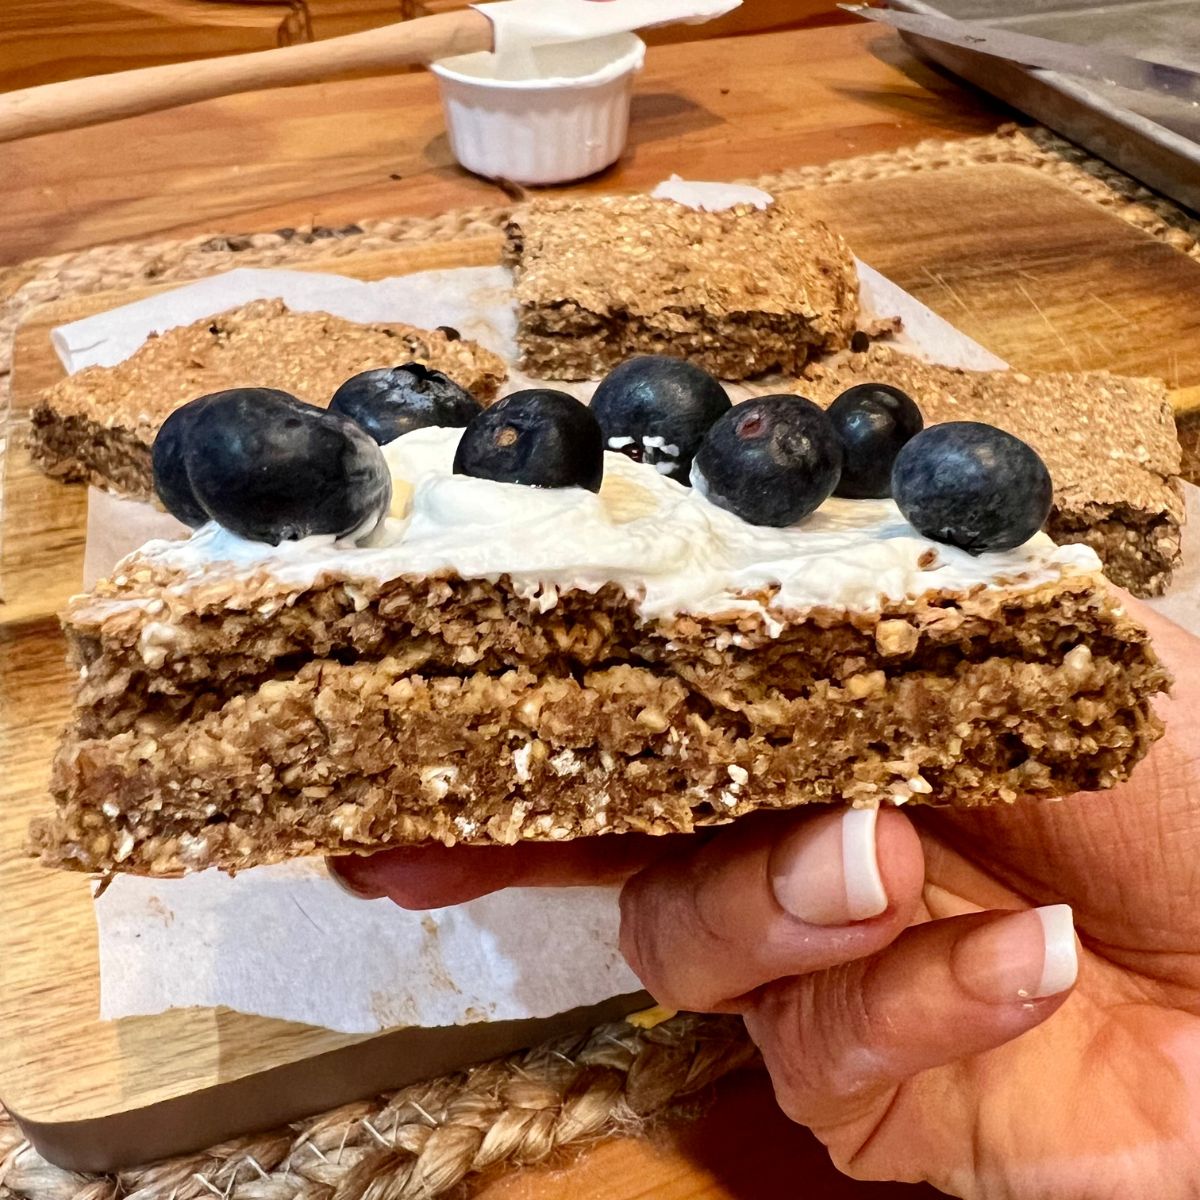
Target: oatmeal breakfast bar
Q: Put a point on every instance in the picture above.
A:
(98, 424)
(1110, 443)
(546, 663)
(738, 292)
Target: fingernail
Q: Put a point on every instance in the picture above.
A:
(827, 873)
(1023, 956)
(333, 869)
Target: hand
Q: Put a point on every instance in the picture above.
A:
(919, 1029)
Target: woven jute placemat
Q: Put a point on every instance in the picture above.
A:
(425, 1141)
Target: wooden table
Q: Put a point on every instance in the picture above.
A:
(337, 153)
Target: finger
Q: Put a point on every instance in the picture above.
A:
(838, 1043)
(435, 876)
(771, 897)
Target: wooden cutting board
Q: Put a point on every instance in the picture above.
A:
(1021, 263)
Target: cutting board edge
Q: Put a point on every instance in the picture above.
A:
(291, 1091)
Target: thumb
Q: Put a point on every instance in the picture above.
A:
(839, 1042)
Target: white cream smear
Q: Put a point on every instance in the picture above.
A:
(663, 543)
(705, 196)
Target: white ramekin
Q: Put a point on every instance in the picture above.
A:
(566, 118)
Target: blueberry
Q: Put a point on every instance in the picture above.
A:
(390, 401)
(973, 486)
(874, 422)
(538, 437)
(771, 461)
(270, 468)
(170, 474)
(657, 410)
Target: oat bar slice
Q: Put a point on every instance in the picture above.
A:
(1110, 443)
(98, 425)
(513, 663)
(739, 292)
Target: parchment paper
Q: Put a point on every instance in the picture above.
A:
(285, 941)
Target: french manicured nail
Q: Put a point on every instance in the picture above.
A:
(349, 884)
(1022, 956)
(827, 873)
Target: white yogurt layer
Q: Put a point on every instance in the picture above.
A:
(663, 543)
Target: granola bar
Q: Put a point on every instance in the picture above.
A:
(98, 425)
(1109, 441)
(516, 663)
(739, 292)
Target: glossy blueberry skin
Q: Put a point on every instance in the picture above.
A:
(270, 468)
(390, 401)
(875, 421)
(973, 486)
(538, 437)
(770, 461)
(171, 480)
(653, 402)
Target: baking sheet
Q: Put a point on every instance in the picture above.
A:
(1154, 138)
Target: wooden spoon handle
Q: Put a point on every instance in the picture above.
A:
(75, 103)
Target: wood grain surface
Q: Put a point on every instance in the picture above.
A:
(335, 153)
(47, 40)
